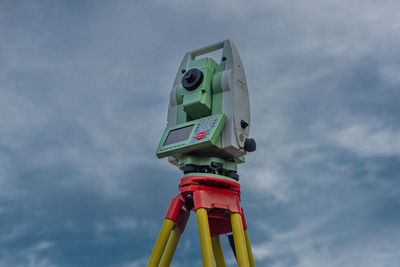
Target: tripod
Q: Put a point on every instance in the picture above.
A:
(216, 201)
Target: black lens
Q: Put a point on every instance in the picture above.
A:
(192, 79)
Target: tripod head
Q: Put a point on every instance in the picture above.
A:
(209, 114)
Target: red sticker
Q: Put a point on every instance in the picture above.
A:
(201, 135)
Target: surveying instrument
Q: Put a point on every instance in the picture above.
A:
(206, 137)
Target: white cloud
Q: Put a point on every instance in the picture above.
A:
(29, 257)
(126, 223)
(368, 138)
(136, 263)
(311, 249)
(43, 245)
(268, 182)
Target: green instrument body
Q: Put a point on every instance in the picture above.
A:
(209, 113)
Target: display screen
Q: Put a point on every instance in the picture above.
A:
(178, 135)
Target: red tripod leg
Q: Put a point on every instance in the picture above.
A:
(175, 221)
(178, 212)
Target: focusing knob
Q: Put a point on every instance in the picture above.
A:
(192, 79)
(250, 145)
(244, 124)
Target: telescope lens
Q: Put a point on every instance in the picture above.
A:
(192, 79)
(189, 77)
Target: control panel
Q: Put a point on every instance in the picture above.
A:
(191, 135)
(204, 128)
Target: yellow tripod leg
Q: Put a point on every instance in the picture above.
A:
(240, 242)
(249, 251)
(218, 253)
(161, 242)
(171, 247)
(205, 237)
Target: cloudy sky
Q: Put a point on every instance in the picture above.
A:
(84, 89)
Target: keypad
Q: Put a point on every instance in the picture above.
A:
(206, 125)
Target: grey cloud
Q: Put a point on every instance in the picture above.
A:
(84, 92)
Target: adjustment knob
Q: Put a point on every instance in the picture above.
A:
(244, 124)
(192, 79)
(250, 145)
